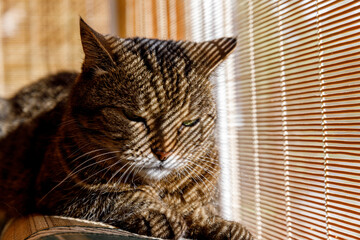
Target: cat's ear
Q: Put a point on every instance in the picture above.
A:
(97, 51)
(214, 52)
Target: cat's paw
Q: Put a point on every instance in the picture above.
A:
(221, 229)
(161, 223)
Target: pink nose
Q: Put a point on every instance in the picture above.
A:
(162, 155)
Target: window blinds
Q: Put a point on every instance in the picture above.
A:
(299, 143)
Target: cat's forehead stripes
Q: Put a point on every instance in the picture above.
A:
(161, 68)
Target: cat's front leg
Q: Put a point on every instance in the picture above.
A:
(140, 213)
(139, 210)
(204, 224)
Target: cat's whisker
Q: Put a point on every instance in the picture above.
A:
(209, 160)
(124, 173)
(205, 149)
(132, 167)
(107, 168)
(94, 157)
(198, 177)
(138, 170)
(78, 150)
(87, 153)
(210, 171)
(75, 171)
(204, 169)
(72, 173)
(188, 170)
(114, 174)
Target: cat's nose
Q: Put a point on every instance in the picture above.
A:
(162, 156)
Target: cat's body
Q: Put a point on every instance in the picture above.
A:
(132, 144)
(28, 123)
(34, 100)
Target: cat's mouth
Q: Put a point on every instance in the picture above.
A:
(154, 169)
(155, 172)
(160, 167)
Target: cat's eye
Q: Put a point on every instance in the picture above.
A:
(132, 117)
(190, 123)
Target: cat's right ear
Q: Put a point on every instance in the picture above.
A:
(98, 54)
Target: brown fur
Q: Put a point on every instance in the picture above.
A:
(135, 101)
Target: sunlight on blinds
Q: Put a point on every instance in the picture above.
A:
(298, 90)
(302, 115)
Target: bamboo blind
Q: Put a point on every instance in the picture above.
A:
(39, 37)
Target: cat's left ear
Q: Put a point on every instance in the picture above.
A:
(214, 52)
(98, 53)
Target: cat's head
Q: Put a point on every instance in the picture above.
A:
(148, 101)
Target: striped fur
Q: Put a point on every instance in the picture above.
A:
(136, 145)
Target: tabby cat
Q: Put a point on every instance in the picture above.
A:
(129, 141)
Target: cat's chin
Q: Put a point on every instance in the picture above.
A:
(155, 173)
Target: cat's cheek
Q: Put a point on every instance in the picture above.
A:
(207, 133)
(194, 137)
